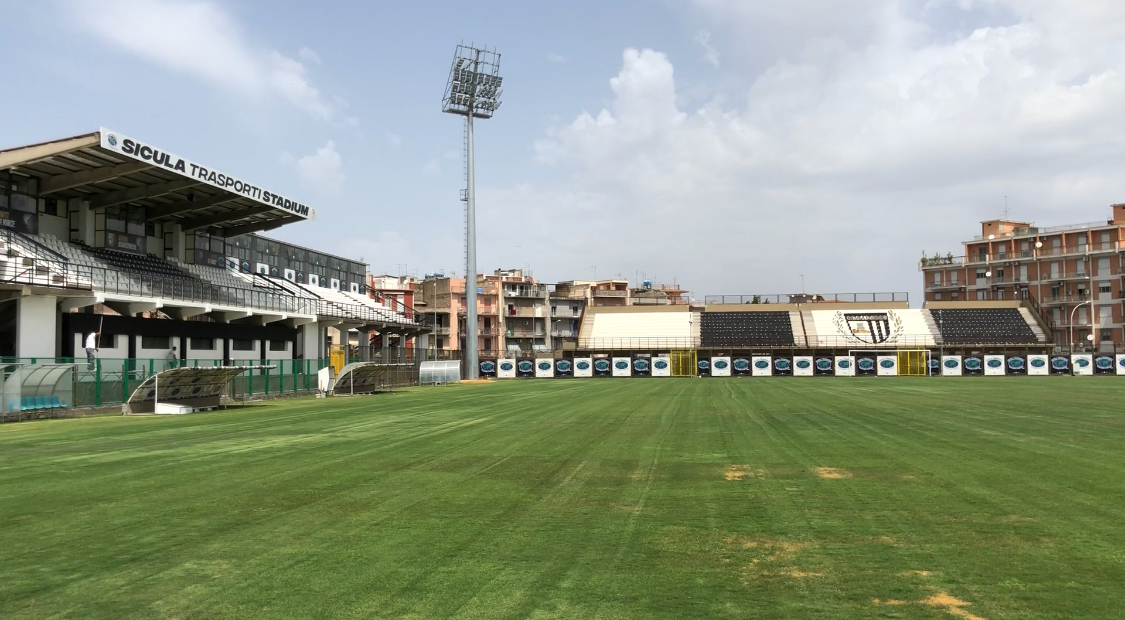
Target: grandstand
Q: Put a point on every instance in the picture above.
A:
(809, 335)
(767, 328)
(101, 230)
(639, 327)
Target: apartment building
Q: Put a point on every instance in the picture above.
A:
(512, 312)
(525, 310)
(442, 299)
(397, 293)
(1072, 274)
(567, 303)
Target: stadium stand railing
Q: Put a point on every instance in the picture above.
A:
(636, 344)
(802, 298)
(51, 263)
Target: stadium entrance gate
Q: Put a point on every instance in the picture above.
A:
(908, 362)
(913, 362)
(683, 363)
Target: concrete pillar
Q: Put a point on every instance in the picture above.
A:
(386, 340)
(310, 341)
(364, 344)
(174, 242)
(36, 319)
(81, 221)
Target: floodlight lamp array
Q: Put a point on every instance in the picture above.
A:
(474, 85)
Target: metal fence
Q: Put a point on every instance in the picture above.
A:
(110, 381)
(809, 298)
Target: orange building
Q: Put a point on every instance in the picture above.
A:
(1072, 273)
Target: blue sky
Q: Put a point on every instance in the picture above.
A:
(730, 145)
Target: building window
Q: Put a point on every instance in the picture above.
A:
(241, 345)
(1104, 287)
(981, 294)
(279, 345)
(953, 277)
(162, 343)
(980, 274)
(203, 344)
(937, 296)
(982, 251)
(1000, 294)
(937, 277)
(1106, 335)
(954, 295)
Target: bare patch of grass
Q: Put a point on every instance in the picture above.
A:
(833, 473)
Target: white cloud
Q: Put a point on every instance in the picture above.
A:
(558, 59)
(710, 53)
(308, 55)
(845, 159)
(383, 252)
(322, 172)
(199, 38)
(393, 140)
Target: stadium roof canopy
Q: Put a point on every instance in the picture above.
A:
(107, 168)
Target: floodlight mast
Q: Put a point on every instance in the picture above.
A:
(472, 91)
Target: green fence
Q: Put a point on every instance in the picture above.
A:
(110, 381)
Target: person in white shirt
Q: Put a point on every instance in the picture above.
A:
(173, 357)
(91, 348)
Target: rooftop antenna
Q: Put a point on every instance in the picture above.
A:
(1005, 207)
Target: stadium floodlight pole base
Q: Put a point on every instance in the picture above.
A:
(471, 353)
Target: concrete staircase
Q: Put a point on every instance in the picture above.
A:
(800, 327)
(1033, 323)
(932, 325)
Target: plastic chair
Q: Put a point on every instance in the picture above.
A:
(40, 403)
(55, 402)
(28, 403)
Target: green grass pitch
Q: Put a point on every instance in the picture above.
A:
(914, 498)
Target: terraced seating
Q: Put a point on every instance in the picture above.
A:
(983, 326)
(734, 329)
(138, 263)
(217, 275)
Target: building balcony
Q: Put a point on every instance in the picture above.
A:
(945, 286)
(526, 312)
(565, 313)
(1060, 276)
(522, 332)
(489, 331)
(941, 262)
(441, 330)
(481, 311)
(564, 333)
(608, 293)
(527, 293)
(1062, 300)
(1040, 254)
